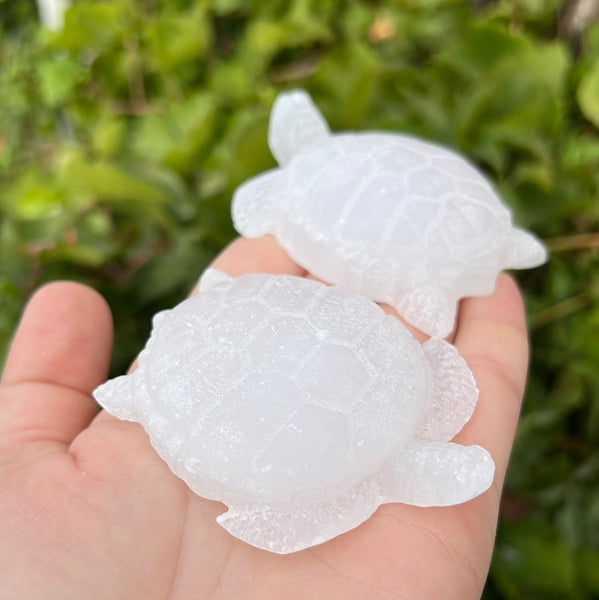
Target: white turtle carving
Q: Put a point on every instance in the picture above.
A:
(302, 407)
(394, 218)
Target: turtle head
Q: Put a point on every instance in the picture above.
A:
(295, 123)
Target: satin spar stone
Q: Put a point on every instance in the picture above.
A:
(394, 218)
(302, 407)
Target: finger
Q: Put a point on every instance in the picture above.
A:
(260, 255)
(60, 352)
(492, 337)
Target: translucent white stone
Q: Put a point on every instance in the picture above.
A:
(396, 219)
(302, 407)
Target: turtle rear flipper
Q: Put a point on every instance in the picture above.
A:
(439, 474)
(428, 308)
(295, 122)
(524, 251)
(252, 205)
(453, 396)
(284, 529)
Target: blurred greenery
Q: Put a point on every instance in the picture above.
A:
(123, 135)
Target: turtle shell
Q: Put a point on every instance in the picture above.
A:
(280, 389)
(391, 217)
(390, 212)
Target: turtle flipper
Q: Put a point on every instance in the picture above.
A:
(438, 474)
(524, 251)
(453, 396)
(252, 204)
(284, 529)
(211, 278)
(428, 308)
(294, 123)
(117, 396)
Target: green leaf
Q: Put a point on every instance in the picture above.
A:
(265, 38)
(93, 26)
(580, 152)
(588, 567)
(588, 94)
(58, 78)
(224, 7)
(517, 104)
(232, 82)
(175, 269)
(349, 91)
(242, 153)
(479, 50)
(531, 557)
(177, 136)
(178, 39)
(540, 174)
(110, 182)
(85, 255)
(107, 134)
(11, 301)
(33, 196)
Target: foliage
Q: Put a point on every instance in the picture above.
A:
(123, 135)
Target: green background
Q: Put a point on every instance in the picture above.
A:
(123, 135)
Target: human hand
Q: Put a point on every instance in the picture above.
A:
(89, 510)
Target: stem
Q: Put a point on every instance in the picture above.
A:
(135, 78)
(560, 310)
(582, 241)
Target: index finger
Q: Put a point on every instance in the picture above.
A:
(260, 255)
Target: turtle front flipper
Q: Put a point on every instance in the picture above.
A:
(453, 396)
(524, 251)
(252, 205)
(438, 474)
(284, 528)
(295, 122)
(428, 308)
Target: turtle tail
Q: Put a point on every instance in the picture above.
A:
(117, 396)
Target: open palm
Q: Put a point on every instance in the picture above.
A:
(88, 509)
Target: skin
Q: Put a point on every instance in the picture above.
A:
(88, 510)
